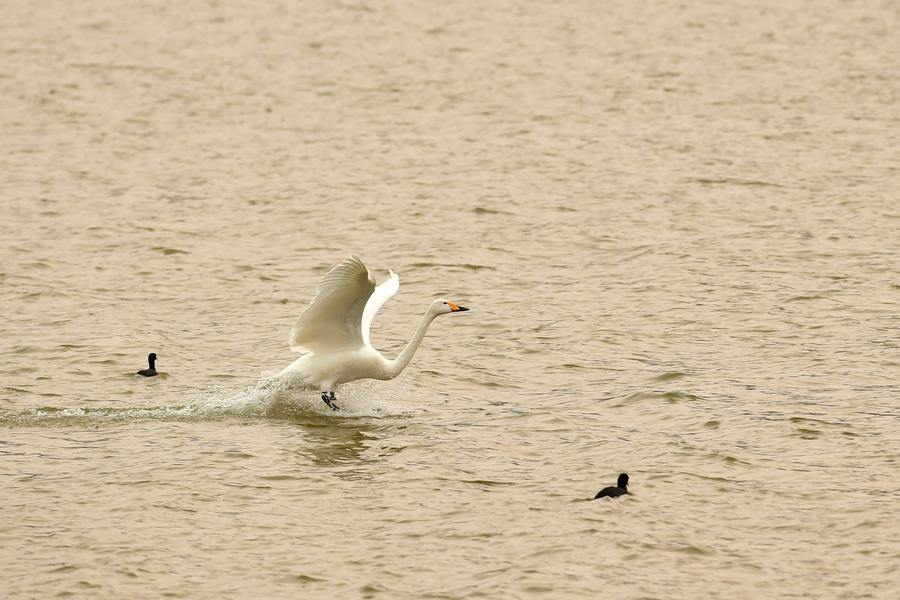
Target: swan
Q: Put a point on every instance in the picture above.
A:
(332, 334)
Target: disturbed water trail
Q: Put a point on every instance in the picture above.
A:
(264, 400)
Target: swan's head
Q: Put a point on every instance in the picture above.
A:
(443, 307)
(622, 482)
(151, 357)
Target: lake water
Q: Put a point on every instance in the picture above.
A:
(677, 226)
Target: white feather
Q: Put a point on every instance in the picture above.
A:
(384, 292)
(333, 320)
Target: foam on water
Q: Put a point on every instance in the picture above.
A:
(266, 399)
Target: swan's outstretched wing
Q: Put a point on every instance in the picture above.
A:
(334, 319)
(381, 295)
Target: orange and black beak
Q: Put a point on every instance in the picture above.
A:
(456, 307)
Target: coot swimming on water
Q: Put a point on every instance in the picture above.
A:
(151, 372)
(620, 489)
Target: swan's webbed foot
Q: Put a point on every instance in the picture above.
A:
(328, 398)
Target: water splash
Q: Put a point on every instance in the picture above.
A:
(266, 399)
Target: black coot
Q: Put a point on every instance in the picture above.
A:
(151, 372)
(620, 489)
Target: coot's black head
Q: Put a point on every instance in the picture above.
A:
(622, 482)
(151, 358)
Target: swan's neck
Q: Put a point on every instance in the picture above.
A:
(399, 363)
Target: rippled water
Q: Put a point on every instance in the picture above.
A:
(677, 226)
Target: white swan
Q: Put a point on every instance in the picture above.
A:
(333, 332)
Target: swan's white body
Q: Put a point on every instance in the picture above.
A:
(333, 332)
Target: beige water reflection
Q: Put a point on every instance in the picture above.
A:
(676, 225)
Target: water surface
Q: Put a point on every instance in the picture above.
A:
(677, 226)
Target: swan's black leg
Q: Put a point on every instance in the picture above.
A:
(328, 398)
